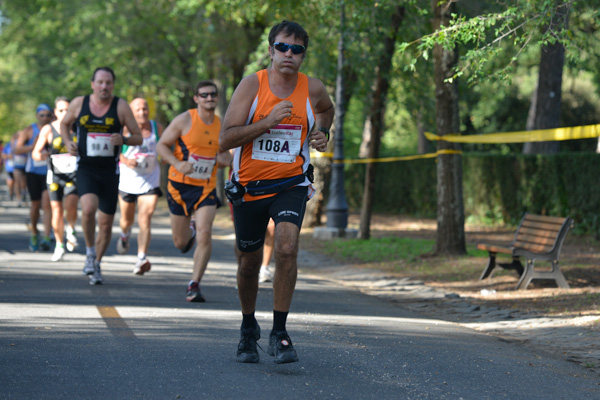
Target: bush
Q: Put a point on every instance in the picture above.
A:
(496, 188)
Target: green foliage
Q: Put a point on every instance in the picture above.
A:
(504, 32)
(404, 187)
(497, 189)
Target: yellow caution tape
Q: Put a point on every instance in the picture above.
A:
(541, 135)
(388, 159)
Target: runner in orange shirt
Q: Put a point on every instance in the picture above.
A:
(274, 117)
(191, 192)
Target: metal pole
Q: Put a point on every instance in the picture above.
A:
(337, 206)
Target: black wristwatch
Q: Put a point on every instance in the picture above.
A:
(125, 140)
(325, 131)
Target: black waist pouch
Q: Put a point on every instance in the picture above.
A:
(270, 186)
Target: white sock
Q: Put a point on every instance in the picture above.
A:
(141, 255)
(90, 251)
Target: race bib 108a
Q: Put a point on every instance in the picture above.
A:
(279, 144)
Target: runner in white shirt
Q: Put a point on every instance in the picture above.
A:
(139, 183)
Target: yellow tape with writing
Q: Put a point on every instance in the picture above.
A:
(541, 135)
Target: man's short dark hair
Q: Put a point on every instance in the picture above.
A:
(106, 69)
(202, 84)
(289, 28)
(59, 99)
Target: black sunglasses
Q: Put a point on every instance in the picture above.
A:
(284, 47)
(205, 95)
(45, 115)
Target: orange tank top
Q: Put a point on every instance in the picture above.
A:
(199, 146)
(283, 151)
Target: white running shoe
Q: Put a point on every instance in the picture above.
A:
(59, 252)
(122, 245)
(141, 266)
(265, 274)
(72, 242)
(88, 267)
(96, 277)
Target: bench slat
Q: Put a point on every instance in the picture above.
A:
(541, 226)
(535, 248)
(545, 218)
(494, 248)
(549, 241)
(536, 232)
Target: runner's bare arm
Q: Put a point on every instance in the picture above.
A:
(324, 113)
(24, 135)
(234, 131)
(66, 123)
(126, 116)
(172, 132)
(224, 158)
(38, 153)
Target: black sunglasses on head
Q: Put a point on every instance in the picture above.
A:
(284, 47)
(205, 95)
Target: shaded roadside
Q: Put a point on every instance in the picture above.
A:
(560, 321)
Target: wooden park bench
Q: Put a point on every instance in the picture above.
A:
(538, 238)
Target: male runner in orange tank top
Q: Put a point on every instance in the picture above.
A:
(192, 179)
(274, 117)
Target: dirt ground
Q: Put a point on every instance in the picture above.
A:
(579, 260)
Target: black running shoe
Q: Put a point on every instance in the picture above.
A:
(247, 352)
(192, 240)
(280, 346)
(193, 294)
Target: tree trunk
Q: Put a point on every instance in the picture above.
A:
(422, 143)
(376, 114)
(544, 112)
(450, 208)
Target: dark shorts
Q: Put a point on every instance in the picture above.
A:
(184, 199)
(10, 175)
(132, 198)
(102, 183)
(251, 218)
(36, 184)
(59, 188)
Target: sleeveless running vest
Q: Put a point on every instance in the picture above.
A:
(32, 166)
(283, 151)
(62, 164)
(9, 163)
(199, 146)
(93, 137)
(146, 176)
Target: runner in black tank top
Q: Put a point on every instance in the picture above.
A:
(99, 120)
(93, 137)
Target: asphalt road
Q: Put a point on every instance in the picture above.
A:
(137, 337)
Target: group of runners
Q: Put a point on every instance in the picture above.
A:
(103, 151)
